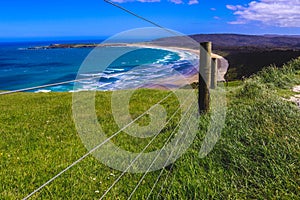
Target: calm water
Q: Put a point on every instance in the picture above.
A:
(23, 68)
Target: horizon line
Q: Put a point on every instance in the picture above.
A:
(65, 38)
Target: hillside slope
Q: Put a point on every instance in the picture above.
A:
(257, 156)
(247, 54)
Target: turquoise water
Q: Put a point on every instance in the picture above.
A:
(23, 68)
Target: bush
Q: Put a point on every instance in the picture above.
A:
(280, 77)
(252, 88)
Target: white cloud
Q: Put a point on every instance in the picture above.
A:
(282, 13)
(237, 7)
(192, 2)
(176, 1)
(238, 22)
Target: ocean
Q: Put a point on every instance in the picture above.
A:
(21, 67)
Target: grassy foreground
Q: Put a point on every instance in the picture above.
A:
(257, 156)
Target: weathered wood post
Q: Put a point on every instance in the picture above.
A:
(214, 73)
(204, 76)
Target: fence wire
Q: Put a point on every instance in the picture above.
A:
(171, 135)
(120, 130)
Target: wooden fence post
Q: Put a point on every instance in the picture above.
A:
(204, 76)
(214, 73)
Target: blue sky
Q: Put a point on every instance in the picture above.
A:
(78, 18)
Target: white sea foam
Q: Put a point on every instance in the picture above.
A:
(148, 74)
(165, 59)
(116, 69)
(42, 91)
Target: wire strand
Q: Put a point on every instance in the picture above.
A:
(140, 17)
(77, 80)
(48, 85)
(117, 180)
(94, 149)
(162, 170)
(169, 172)
(155, 159)
(66, 82)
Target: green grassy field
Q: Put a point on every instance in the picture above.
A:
(257, 156)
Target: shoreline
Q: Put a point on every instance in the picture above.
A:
(172, 81)
(223, 64)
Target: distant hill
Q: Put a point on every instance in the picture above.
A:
(247, 54)
(222, 41)
(259, 41)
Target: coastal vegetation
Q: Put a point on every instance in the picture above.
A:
(257, 156)
(246, 54)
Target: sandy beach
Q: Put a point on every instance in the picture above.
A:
(169, 81)
(221, 62)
